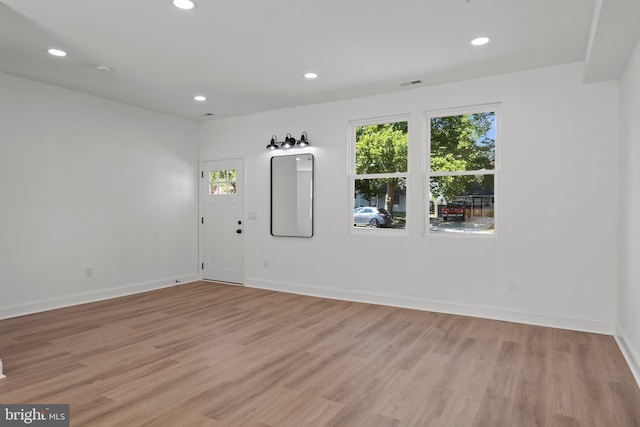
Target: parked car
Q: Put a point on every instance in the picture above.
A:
(453, 210)
(373, 216)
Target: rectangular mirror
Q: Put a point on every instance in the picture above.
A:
(292, 195)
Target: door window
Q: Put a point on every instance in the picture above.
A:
(222, 182)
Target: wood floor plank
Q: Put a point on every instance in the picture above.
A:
(207, 354)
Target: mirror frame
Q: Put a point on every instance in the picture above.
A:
(279, 233)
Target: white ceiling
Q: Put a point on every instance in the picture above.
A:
(249, 56)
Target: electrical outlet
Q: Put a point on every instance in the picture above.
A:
(512, 284)
(88, 272)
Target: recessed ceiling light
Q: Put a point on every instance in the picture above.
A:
(310, 75)
(200, 98)
(479, 41)
(184, 4)
(56, 52)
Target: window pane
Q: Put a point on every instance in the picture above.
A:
(374, 203)
(231, 178)
(381, 148)
(463, 143)
(463, 204)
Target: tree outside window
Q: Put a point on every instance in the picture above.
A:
(462, 170)
(380, 178)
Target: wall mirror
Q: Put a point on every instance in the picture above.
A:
(292, 195)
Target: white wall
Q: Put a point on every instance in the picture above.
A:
(90, 182)
(558, 162)
(629, 287)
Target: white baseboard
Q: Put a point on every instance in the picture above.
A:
(630, 354)
(82, 298)
(443, 306)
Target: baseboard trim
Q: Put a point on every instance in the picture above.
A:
(83, 298)
(443, 306)
(629, 353)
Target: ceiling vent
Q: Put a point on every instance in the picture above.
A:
(414, 82)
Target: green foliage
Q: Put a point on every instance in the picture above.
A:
(458, 143)
(450, 187)
(381, 149)
(369, 188)
(461, 143)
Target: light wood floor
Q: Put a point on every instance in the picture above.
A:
(207, 354)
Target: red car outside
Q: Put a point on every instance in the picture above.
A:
(453, 210)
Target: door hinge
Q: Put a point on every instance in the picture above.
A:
(202, 220)
(201, 174)
(202, 266)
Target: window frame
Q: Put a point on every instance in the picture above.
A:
(495, 108)
(353, 176)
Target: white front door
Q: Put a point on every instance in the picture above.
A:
(222, 221)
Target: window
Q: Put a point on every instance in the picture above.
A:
(380, 174)
(462, 170)
(222, 182)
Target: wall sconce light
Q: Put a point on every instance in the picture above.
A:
(289, 142)
(303, 140)
(274, 143)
